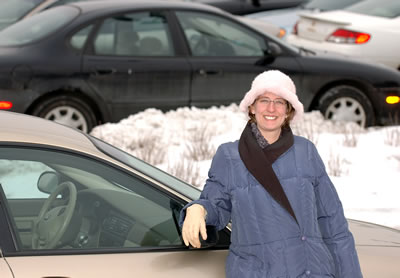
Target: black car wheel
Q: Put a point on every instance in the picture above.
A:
(347, 103)
(67, 110)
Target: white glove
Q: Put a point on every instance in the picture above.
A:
(194, 225)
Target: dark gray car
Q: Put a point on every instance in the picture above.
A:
(93, 62)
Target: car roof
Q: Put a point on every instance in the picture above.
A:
(22, 128)
(116, 5)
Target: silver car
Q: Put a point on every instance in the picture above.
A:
(74, 206)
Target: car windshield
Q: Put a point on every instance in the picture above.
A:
(13, 10)
(381, 8)
(38, 26)
(155, 173)
(327, 5)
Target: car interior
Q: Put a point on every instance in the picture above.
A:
(59, 201)
(139, 34)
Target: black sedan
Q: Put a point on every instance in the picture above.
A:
(242, 7)
(93, 62)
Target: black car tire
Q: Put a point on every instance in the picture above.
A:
(347, 103)
(67, 110)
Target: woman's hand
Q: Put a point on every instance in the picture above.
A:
(194, 225)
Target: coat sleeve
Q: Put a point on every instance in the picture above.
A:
(333, 224)
(215, 196)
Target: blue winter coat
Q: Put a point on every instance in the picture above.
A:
(266, 241)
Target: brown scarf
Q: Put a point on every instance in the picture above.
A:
(259, 162)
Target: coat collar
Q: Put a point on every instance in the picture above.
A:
(259, 163)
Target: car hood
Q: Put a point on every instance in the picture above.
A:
(281, 17)
(332, 55)
(368, 234)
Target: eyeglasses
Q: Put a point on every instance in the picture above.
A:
(279, 103)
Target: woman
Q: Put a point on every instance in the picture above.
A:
(287, 219)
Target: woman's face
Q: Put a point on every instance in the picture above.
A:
(270, 112)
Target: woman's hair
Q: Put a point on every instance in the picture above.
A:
(289, 115)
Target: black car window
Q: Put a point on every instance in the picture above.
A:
(136, 34)
(38, 26)
(59, 200)
(211, 35)
(78, 40)
(13, 10)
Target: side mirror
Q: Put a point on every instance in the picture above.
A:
(256, 3)
(274, 49)
(212, 238)
(48, 182)
(270, 54)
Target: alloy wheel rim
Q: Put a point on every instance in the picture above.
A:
(69, 116)
(346, 109)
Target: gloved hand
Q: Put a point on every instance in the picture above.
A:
(193, 225)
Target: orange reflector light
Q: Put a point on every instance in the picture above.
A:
(392, 99)
(362, 38)
(5, 105)
(282, 33)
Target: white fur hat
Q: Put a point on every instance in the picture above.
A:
(276, 82)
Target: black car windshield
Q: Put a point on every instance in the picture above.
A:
(38, 26)
(381, 8)
(13, 10)
(153, 172)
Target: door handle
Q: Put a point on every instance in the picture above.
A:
(105, 71)
(204, 72)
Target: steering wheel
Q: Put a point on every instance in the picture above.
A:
(201, 47)
(52, 222)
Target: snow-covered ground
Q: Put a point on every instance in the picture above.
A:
(364, 164)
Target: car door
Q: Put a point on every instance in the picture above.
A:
(72, 215)
(133, 64)
(225, 57)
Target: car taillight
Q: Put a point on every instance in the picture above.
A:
(348, 36)
(294, 30)
(4, 105)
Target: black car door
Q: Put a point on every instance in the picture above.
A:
(133, 64)
(225, 57)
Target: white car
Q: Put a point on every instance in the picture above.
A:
(369, 30)
(263, 26)
(286, 18)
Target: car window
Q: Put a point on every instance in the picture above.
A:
(78, 40)
(381, 8)
(180, 186)
(13, 10)
(59, 200)
(136, 34)
(210, 35)
(38, 26)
